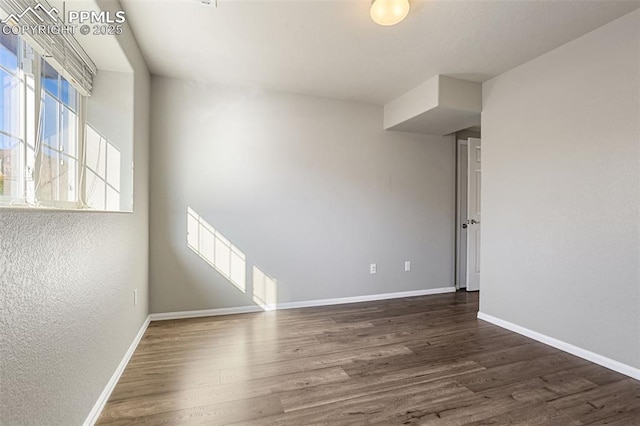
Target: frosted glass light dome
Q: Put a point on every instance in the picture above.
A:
(389, 12)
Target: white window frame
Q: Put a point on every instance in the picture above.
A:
(22, 126)
(31, 135)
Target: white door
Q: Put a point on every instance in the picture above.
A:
(474, 178)
(461, 236)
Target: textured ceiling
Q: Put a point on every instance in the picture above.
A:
(333, 49)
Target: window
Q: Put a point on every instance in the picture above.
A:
(57, 171)
(11, 128)
(49, 155)
(39, 133)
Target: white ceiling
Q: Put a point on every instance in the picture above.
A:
(333, 49)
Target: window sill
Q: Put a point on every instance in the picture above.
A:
(51, 209)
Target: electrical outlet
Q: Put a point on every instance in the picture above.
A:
(373, 268)
(135, 297)
(407, 266)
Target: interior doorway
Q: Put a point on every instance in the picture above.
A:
(468, 213)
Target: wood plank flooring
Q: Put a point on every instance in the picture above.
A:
(421, 360)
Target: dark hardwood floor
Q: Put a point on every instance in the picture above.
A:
(421, 360)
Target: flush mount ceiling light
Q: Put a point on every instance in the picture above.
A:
(389, 12)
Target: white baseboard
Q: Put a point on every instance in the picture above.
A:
(303, 304)
(205, 313)
(609, 363)
(367, 298)
(104, 396)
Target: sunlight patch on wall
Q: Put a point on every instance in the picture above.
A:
(216, 250)
(265, 290)
(102, 171)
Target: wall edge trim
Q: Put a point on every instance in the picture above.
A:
(163, 316)
(602, 360)
(367, 298)
(294, 305)
(111, 384)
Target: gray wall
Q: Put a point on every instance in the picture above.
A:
(66, 294)
(312, 190)
(561, 193)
